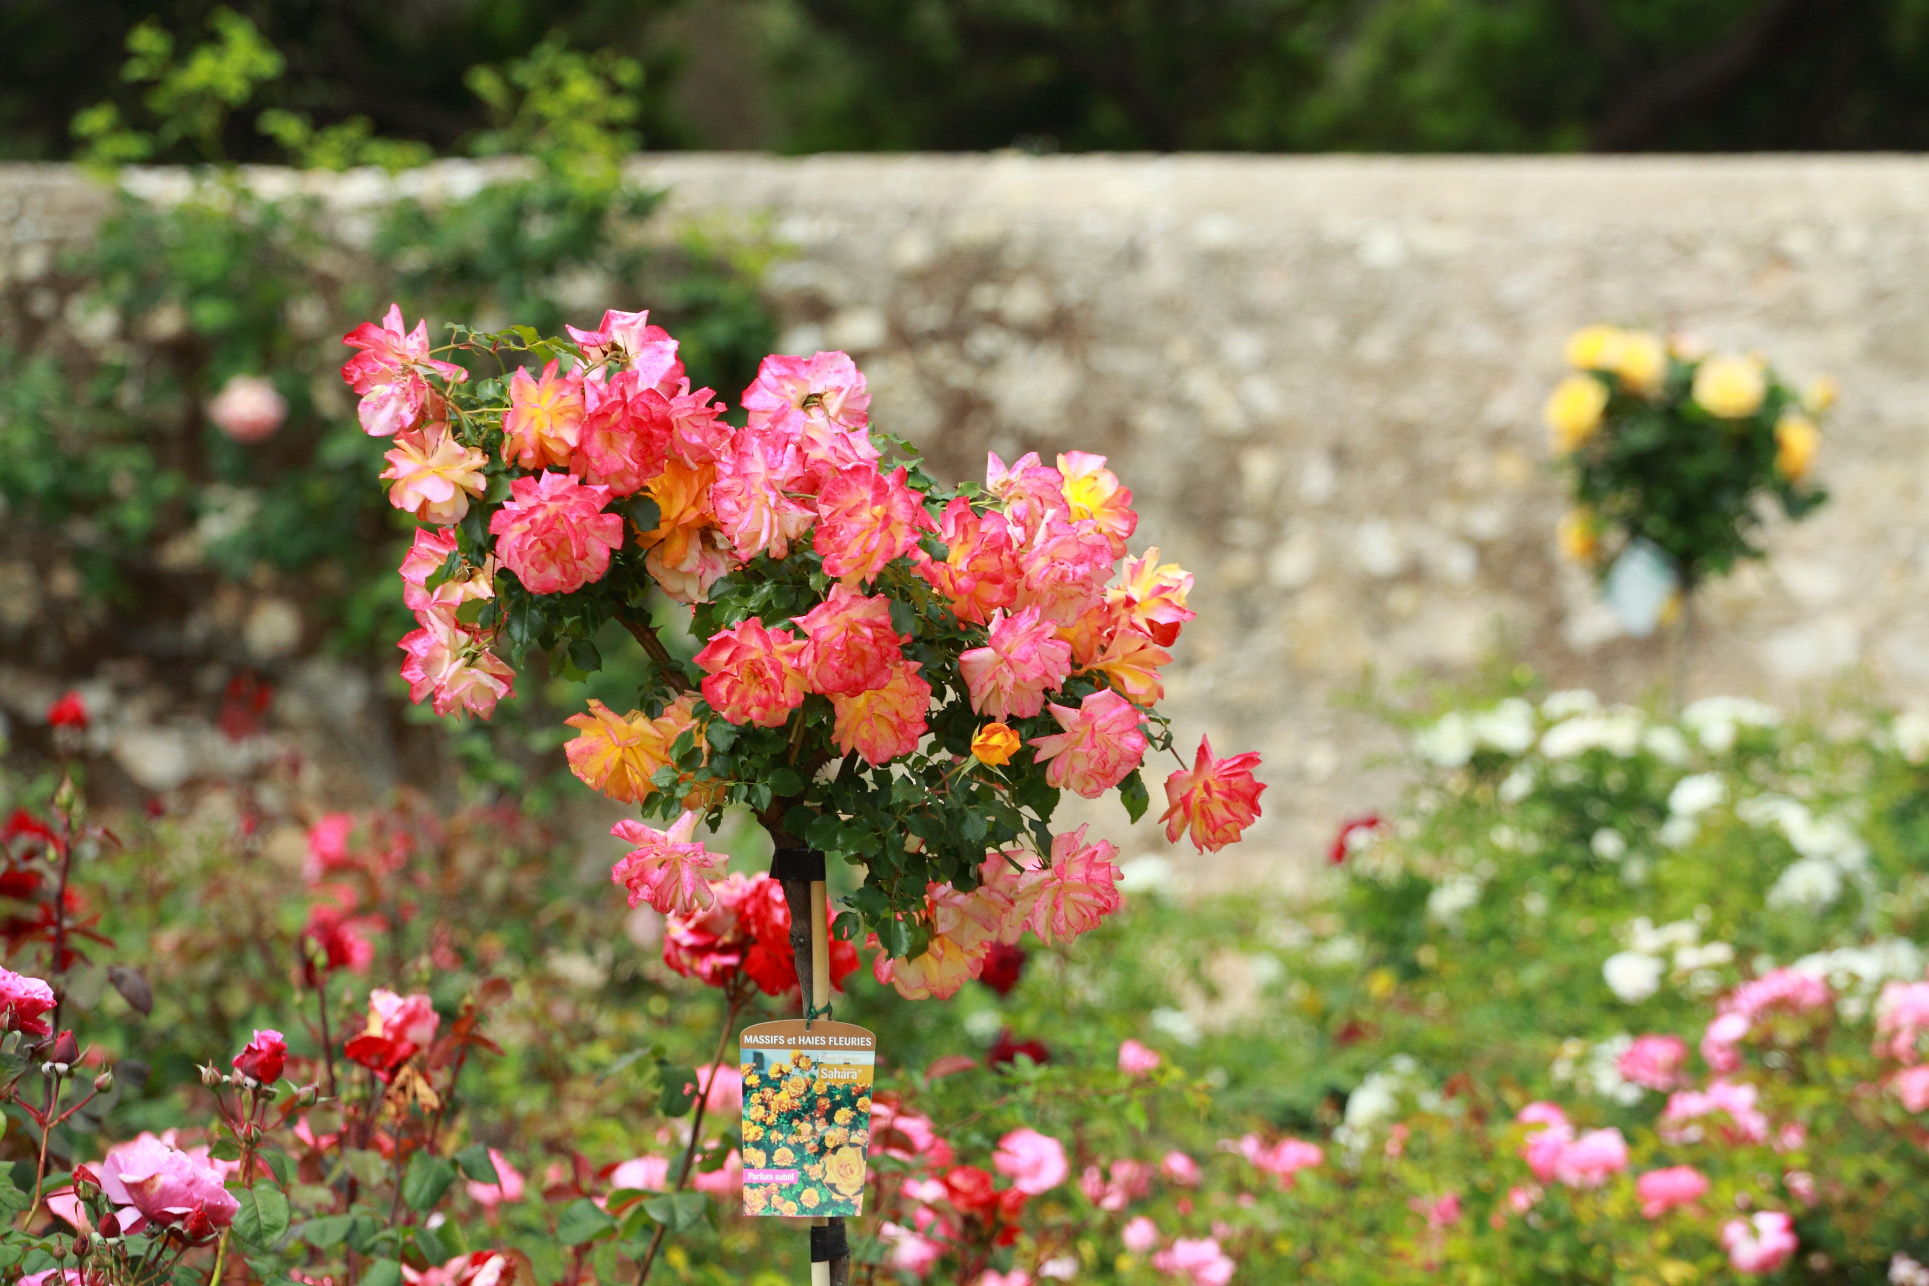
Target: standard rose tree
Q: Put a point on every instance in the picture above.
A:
(895, 672)
(1676, 451)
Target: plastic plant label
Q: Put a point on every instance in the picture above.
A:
(1639, 587)
(806, 1118)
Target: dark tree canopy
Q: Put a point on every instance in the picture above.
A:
(1263, 75)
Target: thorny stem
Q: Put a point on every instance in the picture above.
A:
(645, 633)
(696, 1121)
(60, 917)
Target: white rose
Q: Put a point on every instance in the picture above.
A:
(1632, 976)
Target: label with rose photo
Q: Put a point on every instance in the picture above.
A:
(806, 1118)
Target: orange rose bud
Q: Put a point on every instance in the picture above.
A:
(994, 745)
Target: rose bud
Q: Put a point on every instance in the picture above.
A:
(104, 1082)
(264, 1057)
(307, 1096)
(110, 1225)
(197, 1226)
(66, 1049)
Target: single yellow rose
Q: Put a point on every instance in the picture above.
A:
(784, 1156)
(1641, 362)
(809, 1198)
(843, 1116)
(994, 745)
(1573, 411)
(756, 1200)
(789, 1207)
(754, 1158)
(1796, 442)
(844, 1171)
(1730, 388)
(1579, 535)
(864, 1103)
(1595, 348)
(1819, 394)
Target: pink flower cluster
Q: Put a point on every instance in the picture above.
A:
(1059, 899)
(1781, 991)
(1554, 1152)
(447, 660)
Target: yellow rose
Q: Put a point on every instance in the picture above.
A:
(752, 1079)
(1579, 535)
(836, 1137)
(752, 1131)
(1819, 395)
(994, 745)
(844, 1171)
(754, 1158)
(864, 1103)
(1796, 442)
(784, 1156)
(804, 1062)
(1730, 388)
(1641, 362)
(843, 1116)
(789, 1207)
(809, 1198)
(756, 1200)
(1573, 411)
(1594, 348)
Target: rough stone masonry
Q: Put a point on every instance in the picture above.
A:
(1322, 377)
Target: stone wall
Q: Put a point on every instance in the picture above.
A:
(1322, 376)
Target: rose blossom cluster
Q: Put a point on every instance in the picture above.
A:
(744, 928)
(1064, 633)
(1056, 900)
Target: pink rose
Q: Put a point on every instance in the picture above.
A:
(760, 494)
(1034, 1162)
(25, 1003)
(1590, 1159)
(1662, 1190)
(1065, 567)
(1760, 1244)
(1022, 660)
(434, 475)
(865, 519)
(816, 397)
(1151, 597)
(1094, 495)
(248, 408)
(667, 869)
(151, 1182)
(627, 340)
(1077, 890)
(752, 673)
(553, 535)
(1198, 1258)
(1216, 800)
(625, 434)
(909, 1252)
(1176, 1166)
(545, 418)
(452, 662)
(1283, 1159)
(885, 722)
(430, 550)
(1136, 1059)
(980, 571)
(850, 645)
(1442, 1212)
(1655, 1062)
(1140, 1235)
(388, 373)
(1100, 744)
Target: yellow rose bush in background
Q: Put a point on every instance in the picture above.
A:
(1669, 445)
